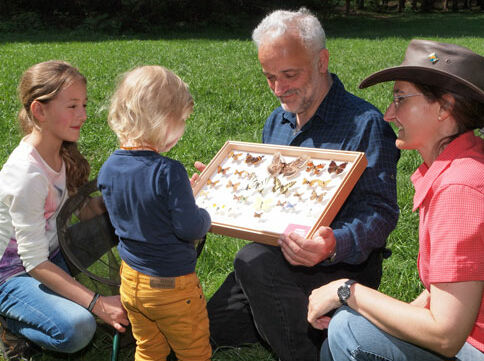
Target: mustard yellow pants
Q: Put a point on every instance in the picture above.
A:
(166, 313)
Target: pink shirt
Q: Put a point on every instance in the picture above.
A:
(450, 199)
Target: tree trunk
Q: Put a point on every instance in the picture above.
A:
(401, 5)
(427, 5)
(455, 5)
(347, 7)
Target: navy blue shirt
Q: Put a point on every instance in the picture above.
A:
(151, 206)
(346, 122)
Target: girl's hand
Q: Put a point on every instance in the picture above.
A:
(321, 301)
(111, 311)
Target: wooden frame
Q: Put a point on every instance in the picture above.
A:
(306, 190)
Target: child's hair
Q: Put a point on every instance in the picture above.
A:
(43, 82)
(149, 106)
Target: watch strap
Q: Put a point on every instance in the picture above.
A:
(344, 292)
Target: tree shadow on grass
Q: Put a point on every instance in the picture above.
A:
(371, 26)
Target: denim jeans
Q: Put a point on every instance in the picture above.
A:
(352, 337)
(265, 299)
(47, 319)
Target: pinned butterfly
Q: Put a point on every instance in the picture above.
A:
(336, 168)
(250, 159)
(282, 188)
(291, 169)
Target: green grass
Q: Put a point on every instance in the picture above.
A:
(232, 101)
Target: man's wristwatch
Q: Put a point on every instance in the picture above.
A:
(344, 291)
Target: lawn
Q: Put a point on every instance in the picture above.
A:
(232, 101)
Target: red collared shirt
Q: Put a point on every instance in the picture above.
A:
(450, 197)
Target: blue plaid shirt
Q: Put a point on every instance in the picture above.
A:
(346, 122)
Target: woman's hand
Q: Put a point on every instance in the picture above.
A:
(111, 311)
(321, 301)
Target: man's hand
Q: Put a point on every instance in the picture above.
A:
(200, 167)
(300, 251)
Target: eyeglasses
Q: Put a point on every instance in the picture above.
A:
(398, 98)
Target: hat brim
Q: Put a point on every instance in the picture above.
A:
(427, 76)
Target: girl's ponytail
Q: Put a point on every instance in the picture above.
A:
(77, 167)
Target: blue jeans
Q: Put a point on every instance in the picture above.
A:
(42, 316)
(352, 337)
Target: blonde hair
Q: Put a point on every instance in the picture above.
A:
(148, 107)
(42, 82)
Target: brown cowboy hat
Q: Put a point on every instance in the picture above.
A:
(448, 66)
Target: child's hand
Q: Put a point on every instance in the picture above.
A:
(200, 167)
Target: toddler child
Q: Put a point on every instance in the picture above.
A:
(151, 206)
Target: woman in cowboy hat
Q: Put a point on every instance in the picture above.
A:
(438, 102)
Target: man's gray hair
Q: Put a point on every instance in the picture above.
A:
(301, 23)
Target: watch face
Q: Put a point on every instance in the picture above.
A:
(344, 292)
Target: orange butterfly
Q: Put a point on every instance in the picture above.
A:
(212, 183)
(313, 168)
(234, 156)
(240, 172)
(233, 185)
(250, 159)
(222, 170)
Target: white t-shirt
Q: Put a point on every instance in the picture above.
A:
(31, 194)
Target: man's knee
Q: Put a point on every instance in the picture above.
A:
(253, 259)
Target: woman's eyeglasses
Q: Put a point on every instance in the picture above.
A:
(398, 98)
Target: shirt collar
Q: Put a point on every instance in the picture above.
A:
(336, 88)
(424, 177)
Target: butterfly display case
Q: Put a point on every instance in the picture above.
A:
(258, 191)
